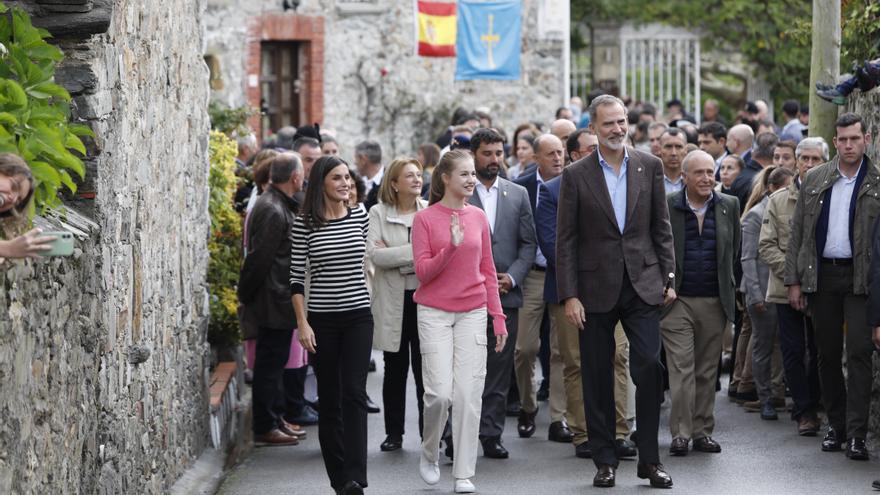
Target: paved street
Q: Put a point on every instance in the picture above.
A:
(759, 457)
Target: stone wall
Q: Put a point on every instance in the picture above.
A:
(103, 356)
(374, 85)
(866, 105)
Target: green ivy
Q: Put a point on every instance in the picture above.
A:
(224, 245)
(34, 111)
(228, 120)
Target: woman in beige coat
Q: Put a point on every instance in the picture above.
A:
(389, 248)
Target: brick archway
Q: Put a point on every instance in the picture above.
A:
(280, 27)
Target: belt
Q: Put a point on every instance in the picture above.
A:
(837, 261)
(539, 268)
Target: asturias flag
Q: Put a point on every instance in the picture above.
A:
(488, 45)
(436, 28)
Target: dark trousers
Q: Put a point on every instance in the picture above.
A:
(847, 404)
(343, 339)
(799, 359)
(641, 322)
(397, 368)
(544, 352)
(294, 391)
(498, 372)
(267, 389)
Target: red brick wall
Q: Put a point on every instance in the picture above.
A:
(289, 27)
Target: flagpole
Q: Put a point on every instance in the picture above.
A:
(566, 55)
(415, 11)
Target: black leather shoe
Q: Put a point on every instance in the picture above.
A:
(493, 449)
(856, 449)
(604, 476)
(831, 442)
(449, 451)
(525, 425)
(655, 473)
(372, 408)
(352, 488)
(625, 448)
(583, 451)
(706, 444)
(876, 484)
(391, 443)
(543, 393)
(679, 447)
(513, 409)
(559, 432)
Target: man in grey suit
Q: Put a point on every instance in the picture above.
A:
(513, 249)
(613, 253)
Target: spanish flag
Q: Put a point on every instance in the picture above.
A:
(435, 25)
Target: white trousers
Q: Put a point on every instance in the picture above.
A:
(453, 347)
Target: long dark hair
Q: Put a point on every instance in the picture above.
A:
(447, 164)
(314, 211)
(12, 165)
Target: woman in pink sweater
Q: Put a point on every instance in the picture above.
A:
(452, 254)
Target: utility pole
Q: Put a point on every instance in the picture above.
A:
(824, 66)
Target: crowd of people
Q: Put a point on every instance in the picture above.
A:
(618, 248)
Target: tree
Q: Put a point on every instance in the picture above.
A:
(825, 65)
(762, 31)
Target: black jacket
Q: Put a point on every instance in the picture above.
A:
(263, 286)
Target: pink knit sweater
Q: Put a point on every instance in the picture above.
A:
(456, 278)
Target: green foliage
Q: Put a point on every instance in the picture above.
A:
(761, 31)
(861, 32)
(224, 244)
(228, 120)
(34, 111)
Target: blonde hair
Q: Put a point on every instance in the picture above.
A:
(447, 165)
(760, 187)
(387, 193)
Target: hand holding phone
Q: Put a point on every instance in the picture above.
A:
(62, 245)
(28, 245)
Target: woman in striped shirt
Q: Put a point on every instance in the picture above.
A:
(329, 242)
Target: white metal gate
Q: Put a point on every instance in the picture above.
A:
(659, 66)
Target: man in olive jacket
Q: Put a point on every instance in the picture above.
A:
(706, 234)
(264, 291)
(827, 266)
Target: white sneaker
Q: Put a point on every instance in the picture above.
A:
(464, 486)
(430, 471)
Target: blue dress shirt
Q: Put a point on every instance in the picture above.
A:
(616, 187)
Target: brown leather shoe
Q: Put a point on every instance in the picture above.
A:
(275, 437)
(679, 447)
(655, 473)
(604, 476)
(292, 430)
(807, 427)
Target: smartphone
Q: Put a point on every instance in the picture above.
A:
(61, 246)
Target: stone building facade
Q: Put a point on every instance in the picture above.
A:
(866, 105)
(103, 356)
(359, 74)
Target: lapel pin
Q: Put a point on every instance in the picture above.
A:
(504, 193)
(639, 169)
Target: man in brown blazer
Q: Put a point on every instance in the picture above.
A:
(614, 253)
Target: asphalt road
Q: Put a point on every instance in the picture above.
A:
(758, 457)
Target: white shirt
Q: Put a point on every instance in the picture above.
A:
(540, 259)
(489, 199)
(375, 180)
(837, 241)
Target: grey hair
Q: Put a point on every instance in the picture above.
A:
(693, 155)
(246, 141)
(540, 139)
(812, 143)
(603, 100)
(284, 166)
(370, 150)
